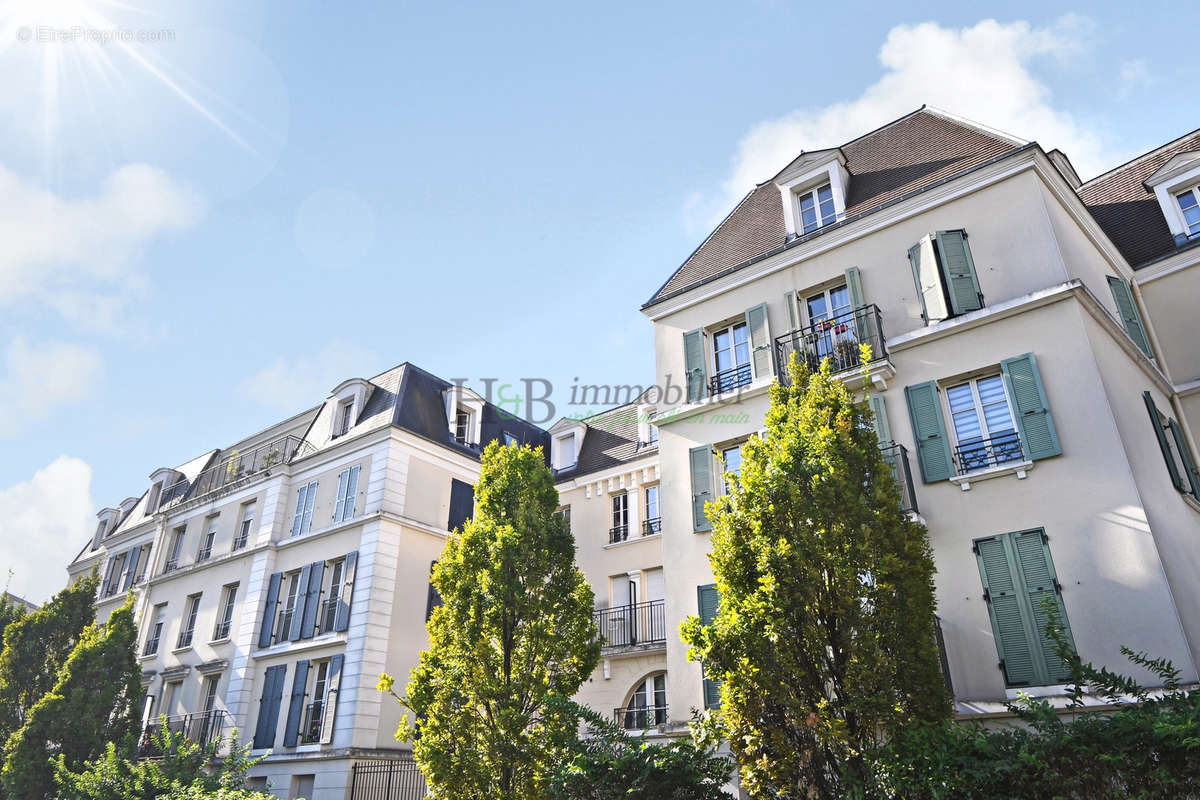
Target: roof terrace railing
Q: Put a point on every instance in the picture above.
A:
(237, 466)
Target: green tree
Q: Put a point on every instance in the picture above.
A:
(92, 704)
(514, 636)
(823, 642)
(36, 647)
(606, 763)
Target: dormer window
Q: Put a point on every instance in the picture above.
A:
(152, 500)
(462, 426)
(1190, 208)
(816, 208)
(345, 418)
(564, 451)
(1176, 186)
(101, 529)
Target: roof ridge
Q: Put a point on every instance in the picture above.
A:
(988, 129)
(874, 131)
(1138, 158)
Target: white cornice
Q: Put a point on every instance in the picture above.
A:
(1176, 262)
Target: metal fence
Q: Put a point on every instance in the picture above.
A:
(399, 779)
(632, 625)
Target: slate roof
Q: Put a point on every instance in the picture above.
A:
(1128, 212)
(611, 440)
(903, 157)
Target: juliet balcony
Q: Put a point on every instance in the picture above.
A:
(203, 728)
(896, 456)
(839, 339)
(639, 626)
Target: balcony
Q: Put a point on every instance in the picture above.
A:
(641, 625)
(730, 379)
(640, 718)
(310, 729)
(975, 455)
(652, 526)
(171, 565)
(238, 466)
(896, 456)
(618, 533)
(203, 728)
(838, 339)
(174, 494)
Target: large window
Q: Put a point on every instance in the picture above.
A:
(647, 705)
(245, 523)
(816, 208)
(1189, 205)
(210, 534)
(653, 523)
(305, 499)
(291, 598)
(731, 358)
(732, 458)
(176, 549)
(314, 714)
(189, 621)
(619, 531)
(156, 628)
(982, 421)
(225, 618)
(333, 595)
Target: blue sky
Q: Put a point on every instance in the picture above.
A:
(206, 232)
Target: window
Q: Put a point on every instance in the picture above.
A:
(620, 518)
(344, 419)
(510, 440)
(225, 620)
(100, 529)
(647, 706)
(1018, 579)
(246, 521)
(112, 578)
(305, 499)
(189, 621)
(653, 523)
(141, 564)
(171, 692)
(653, 434)
(347, 494)
(328, 615)
(1190, 208)
(564, 447)
(284, 626)
(462, 426)
(156, 627)
(945, 275)
(731, 358)
(176, 549)
(1176, 453)
(152, 500)
(310, 731)
(209, 693)
(732, 458)
(983, 425)
(816, 208)
(210, 533)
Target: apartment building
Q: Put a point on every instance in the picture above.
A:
(1033, 374)
(278, 577)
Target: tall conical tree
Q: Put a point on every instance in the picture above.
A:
(512, 640)
(94, 702)
(824, 637)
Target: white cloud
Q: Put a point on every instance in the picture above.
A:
(54, 245)
(982, 72)
(46, 520)
(39, 379)
(290, 385)
(1134, 74)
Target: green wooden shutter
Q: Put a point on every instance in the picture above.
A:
(958, 270)
(760, 339)
(882, 430)
(789, 300)
(928, 280)
(854, 287)
(1130, 317)
(1040, 585)
(693, 358)
(1039, 438)
(997, 570)
(1172, 468)
(707, 601)
(1185, 453)
(929, 431)
(702, 485)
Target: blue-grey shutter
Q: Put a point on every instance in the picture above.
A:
(301, 604)
(1160, 434)
(298, 517)
(342, 620)
(1039, 439)
(132, 565)
(958, 271)
(291, 731)
(929, 431)
(268, 614)
(1041, 585)
(883, 431)
(1131, 318)
(702, 485)
(312, 602)
(462, 503)
(432, 599)
(707, 601)
(343, 477)
(351, 493)
(1185, 453)
(759, 332)
(693, 360)
(268, 707)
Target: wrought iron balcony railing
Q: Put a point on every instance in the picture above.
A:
(636, 625)
(176, 492)
(652, 526)
(465, 442)
(222, 630)
(204, 555)
(310, 729)
(896, 456)
(328, 614)
(838, 339)
(237, 466)
(202, 728)
(171, 565)
(730, 379)
(240, 542)
(618, 533)
(283, 625)
(640, 718)
(941, 645)
(978, 454)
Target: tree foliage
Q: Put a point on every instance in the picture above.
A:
(606, 763)
(92, 704)
(824, 639)
(185, 769)
(514, 636)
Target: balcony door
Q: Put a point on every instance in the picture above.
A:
(654, 620)
(831, 326)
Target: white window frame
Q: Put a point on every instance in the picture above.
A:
(344, 420)
(812, 194)
(656, 506)
(347, 494)
(225, 617)
(172, 562)
(619, 504)
(649, 692)
(317, 689)
(463, 427)
(187, 628)
(155, 493)
(977, 405)
(1194, 191)
(306, 497)
(724, 464)
(154, 634)
(731, 328)
(241, 537)
(208, 693)
(210, 536)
